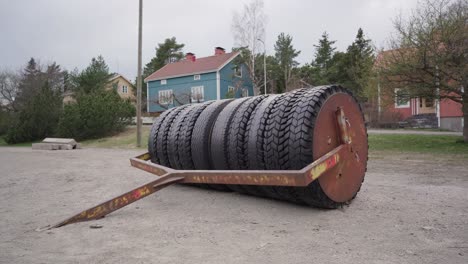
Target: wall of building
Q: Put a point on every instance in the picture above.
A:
(451, 115)
(416, 107)
(181, 88)
(121, 82)
(227, 78)
(449, 108)
(403, 111)
(451, 123)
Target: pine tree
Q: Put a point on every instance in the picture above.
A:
(38, 118)
(95, 77)
(323, 61)
(29, 84)
(285, 55)
(166, 52)
(360, 58)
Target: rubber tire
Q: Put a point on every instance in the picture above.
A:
(300, 138)
(153, 144)
(163, 135)
(276, 140)
(254, 143)
(201, 139)
(175, 136)
(184, 145)
(219, 136)
(236, 152)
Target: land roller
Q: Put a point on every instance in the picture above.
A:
(308, 146)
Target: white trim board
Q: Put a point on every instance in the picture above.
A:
(147, 98)
(218, 86)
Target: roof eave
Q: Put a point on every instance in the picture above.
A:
(194, 73)
(180, 75)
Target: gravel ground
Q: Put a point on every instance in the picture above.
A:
(411, 209)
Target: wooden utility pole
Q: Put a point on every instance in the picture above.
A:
(139, 80)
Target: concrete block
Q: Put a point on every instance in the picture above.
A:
(60, 141)
(57, 144)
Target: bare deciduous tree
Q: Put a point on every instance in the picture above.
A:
(248, 28)
(181, 98)
(429, 53)
(9, 82)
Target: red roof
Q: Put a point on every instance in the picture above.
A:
(186, 67)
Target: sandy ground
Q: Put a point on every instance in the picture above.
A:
(411, 209)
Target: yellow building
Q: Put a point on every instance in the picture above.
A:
(123, 87)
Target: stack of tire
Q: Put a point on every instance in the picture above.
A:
(266, 132)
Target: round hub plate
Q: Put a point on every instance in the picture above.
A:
(343, 181)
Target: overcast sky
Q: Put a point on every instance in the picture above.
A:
(71, 32)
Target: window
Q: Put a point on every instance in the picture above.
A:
(165, 97)
(231, 92)
(196, 77)
(163, 82)
(197, 94)
(245, 92)
(238, 71)
(124, 89)
(401, 99)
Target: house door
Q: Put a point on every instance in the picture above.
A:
(426, 106)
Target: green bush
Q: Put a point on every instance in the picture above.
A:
(4, 121)
(96, 114)
(37, 119)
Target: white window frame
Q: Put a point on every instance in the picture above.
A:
(196, 77)
(236, 70)
(406, 105)
(245, 92)
(124, 89)
(165, 97)
(163, 82)
(197, 90)
(231, 88)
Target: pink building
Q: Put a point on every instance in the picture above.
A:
(417, 112)
(443, 113)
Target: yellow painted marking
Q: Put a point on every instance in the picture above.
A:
(324, 166)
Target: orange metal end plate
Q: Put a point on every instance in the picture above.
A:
(343, 181)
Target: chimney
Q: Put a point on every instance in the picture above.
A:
(190, 56)
(219, 51)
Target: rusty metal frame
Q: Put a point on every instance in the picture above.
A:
(170, 176)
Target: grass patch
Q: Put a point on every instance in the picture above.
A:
(25, 144)
(397, 143)
(426, 129)
(125, 139)
(433, 144)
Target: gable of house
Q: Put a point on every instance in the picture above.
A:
(124, 87)
(235, 81)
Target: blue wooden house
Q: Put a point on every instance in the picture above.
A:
(196, 80)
